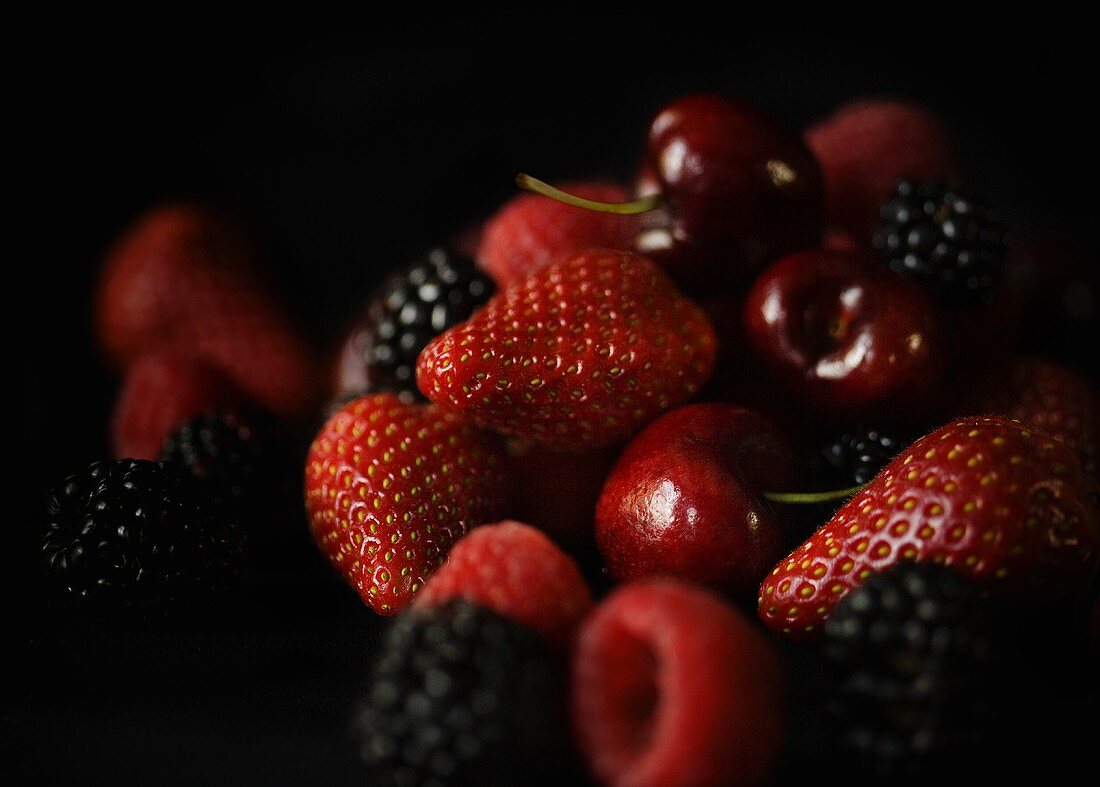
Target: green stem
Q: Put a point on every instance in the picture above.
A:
(640, 205)
(807, 498)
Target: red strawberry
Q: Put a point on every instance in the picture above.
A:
(1050, 397)
(582, 353)
(184, 280)
(517, 572)
(390, 486)
(160, 392)
(1006, 505)
(531, 230)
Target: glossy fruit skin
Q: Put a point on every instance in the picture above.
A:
(846, 340)
(1007, 506)
(672, 687)
(531, 230)
(185, 280)
(740, 190)
(390, 486)
(684, 499)
(580, 354)
(866, 147)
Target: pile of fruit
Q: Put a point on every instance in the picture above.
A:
(606, 461)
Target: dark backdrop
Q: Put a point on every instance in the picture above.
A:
(345, 154)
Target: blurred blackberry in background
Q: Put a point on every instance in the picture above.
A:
(858, 455)
(221, 449)
(944, 238)
(131, 531)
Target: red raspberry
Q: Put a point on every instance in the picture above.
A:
(866, 147)
(531, 230)
(671, 686)
(160, 392)
(517, 572)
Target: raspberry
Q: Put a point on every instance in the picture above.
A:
(866, 147)
(671, 686)
(517, 572)
(160, 392)
(531, 230)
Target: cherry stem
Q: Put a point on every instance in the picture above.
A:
(807, 498)
(634, 207)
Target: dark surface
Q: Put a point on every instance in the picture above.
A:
(346, 156)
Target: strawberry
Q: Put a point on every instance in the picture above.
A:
(160, 392)
(1050, 397)
(531, 230)
(390, 486)
(993, 498)
(184, 280)
(581, 353)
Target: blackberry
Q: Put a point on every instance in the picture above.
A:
(938, 235)
(221, 450)
(460, 695)
(910, 648)
(412, 307)
(858, 455)
(131, 531)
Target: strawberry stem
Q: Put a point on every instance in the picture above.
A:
(808, 498)
(640, 205)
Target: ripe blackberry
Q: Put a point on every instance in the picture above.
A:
(938, 235)
(412, 307)
(460, 695)
(132, 531)
(910, 648)
(220, 449)
(858, 455)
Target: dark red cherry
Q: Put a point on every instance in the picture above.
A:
(687, 498)
(739, 189)
(846, 339)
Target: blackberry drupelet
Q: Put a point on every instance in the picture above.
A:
(858, 455)
(910, 648)
(221, 450)
(460, 695)
(946, 239)
(131, 531)
(412, 307)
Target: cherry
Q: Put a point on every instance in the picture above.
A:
(846, 339)
(685, 499)
(726, 189)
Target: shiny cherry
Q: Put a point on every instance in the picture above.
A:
(739, 190)
(686, 499)
(846, 339)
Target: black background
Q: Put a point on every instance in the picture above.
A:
(345, 154)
